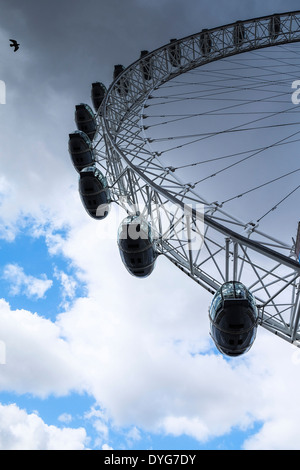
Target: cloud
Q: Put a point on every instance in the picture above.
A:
(25, 284)
(140, 348)
(133, 435)
(179, 425)
(106, 447)
(68, 286)
(38, 360)
(99, 422)
(22, 431)
(65, 418)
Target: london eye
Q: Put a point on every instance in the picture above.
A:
(197, 142)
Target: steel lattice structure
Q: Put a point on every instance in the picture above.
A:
(227, 248)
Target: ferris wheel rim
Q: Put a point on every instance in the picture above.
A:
(117, 143)
(287, 39)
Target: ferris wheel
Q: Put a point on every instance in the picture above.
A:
(197, 142)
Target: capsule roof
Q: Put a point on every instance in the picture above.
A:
(140, 228)
(123, 85)
(93, 171)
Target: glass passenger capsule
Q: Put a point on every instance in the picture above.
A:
(123, 86)
(233, 319)
(205, 42)
(274, 27)
(146, 65)
(98, 92)
(80, 150)
(85, 119)
(94, 192)
(174, 53)
(136, 246)
(238, 33)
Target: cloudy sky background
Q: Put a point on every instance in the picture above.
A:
(94, 358)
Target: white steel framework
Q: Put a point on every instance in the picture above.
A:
(226, 247)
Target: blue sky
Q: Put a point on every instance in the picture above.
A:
(96, 359)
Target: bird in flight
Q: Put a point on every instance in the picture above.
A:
(14, 44)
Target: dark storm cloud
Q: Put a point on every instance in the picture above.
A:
(72, 43)
(67, 44)
(76, 42)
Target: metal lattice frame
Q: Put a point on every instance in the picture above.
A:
(228, 248)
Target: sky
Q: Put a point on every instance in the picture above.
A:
(90, 357)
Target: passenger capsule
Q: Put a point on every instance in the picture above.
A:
(85, 119)
(274, 27)
(97, 94)
(174, 53)
(80, 150)
(146, 65)
(205, 42)
(238, 34)
(94, 192)
(123, 86)
(233, 319)
(136, 246)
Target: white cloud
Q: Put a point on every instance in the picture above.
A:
(21, 283)
(133, 435)
(22, 431)
(99, 422)
(65, 418)
(68, 286)
(106, 447)
(179, 425)
(38, 359)
(144, 338)
(277, 415)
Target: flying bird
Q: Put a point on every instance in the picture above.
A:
(14, 44)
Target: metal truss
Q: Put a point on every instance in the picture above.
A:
(208, 244)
